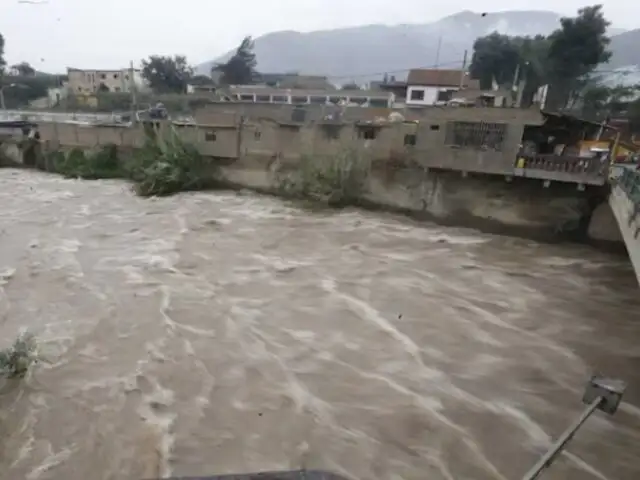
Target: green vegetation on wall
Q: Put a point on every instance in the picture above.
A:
(164, 165)
(339, 180)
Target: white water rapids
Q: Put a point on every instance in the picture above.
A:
(220, 332)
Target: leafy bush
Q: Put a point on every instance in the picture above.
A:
(337, 181)
(91, 165)
(166, 164)
(16, 360)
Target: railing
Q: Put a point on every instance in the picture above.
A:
(564, 164)
(34, 116)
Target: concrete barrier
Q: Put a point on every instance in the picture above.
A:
(625, 203)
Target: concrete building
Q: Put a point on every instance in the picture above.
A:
(84, 82)
(430, 86)
(264, 94)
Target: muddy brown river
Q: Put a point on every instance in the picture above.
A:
(222, 332)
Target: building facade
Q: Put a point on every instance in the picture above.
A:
(430, 86)
(86, 82)
(262, 94)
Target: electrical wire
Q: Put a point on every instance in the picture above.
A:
(618, 71)
(371, 74)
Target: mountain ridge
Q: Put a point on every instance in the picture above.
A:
(365, 53)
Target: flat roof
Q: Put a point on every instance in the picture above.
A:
(260, 90)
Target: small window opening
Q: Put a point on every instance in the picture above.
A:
(210, 136)
(410, 139)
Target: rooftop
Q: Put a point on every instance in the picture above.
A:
(264, 90)
(441, 78)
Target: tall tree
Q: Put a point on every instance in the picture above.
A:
(24, 69)
(575, 50)
(241, 67)
(495, 58)
(167, 74)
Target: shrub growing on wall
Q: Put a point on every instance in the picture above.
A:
(166, 164)
(337, 181)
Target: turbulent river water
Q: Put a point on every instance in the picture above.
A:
(221, 332)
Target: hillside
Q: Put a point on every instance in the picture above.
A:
(365, 53)
(625, 48)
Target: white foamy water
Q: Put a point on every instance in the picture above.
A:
(215, 333)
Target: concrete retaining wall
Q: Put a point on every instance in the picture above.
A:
(629, 223)
(402, 176)
(519, 206)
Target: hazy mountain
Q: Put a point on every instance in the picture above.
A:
(367, 52)
(625, 49)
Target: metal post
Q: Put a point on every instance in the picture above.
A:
(438, 51)
(557, 447)
(464, 66)
(521, 86)
(132, 87)
(2, 104)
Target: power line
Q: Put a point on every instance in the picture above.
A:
(457, 62)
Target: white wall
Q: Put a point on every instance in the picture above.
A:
(430, 94)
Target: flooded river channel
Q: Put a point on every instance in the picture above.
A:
(221, 332)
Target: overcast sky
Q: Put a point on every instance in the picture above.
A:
(110, 33)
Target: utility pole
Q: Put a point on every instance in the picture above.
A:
(521, 86)
(463, 71)
(514, 84)
(132, 88)
(437, 62)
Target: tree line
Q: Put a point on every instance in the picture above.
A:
(165, 74)
(172, 74)
(567, 60)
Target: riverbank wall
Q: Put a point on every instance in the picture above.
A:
(258, 153)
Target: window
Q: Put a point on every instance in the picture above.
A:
(445, 95)
(210, 136)
(280, 99)
(334, 100)
(410, 139)
(378, 102)
(318, 100)
(246, 98)
(103, 76)
(257, 134)
(358, 100)
(263, 98)
(434, 128)
(417, 95)
(298, 100)
(476, 135)
(331, 132)
(367, 133)
(115, 76)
